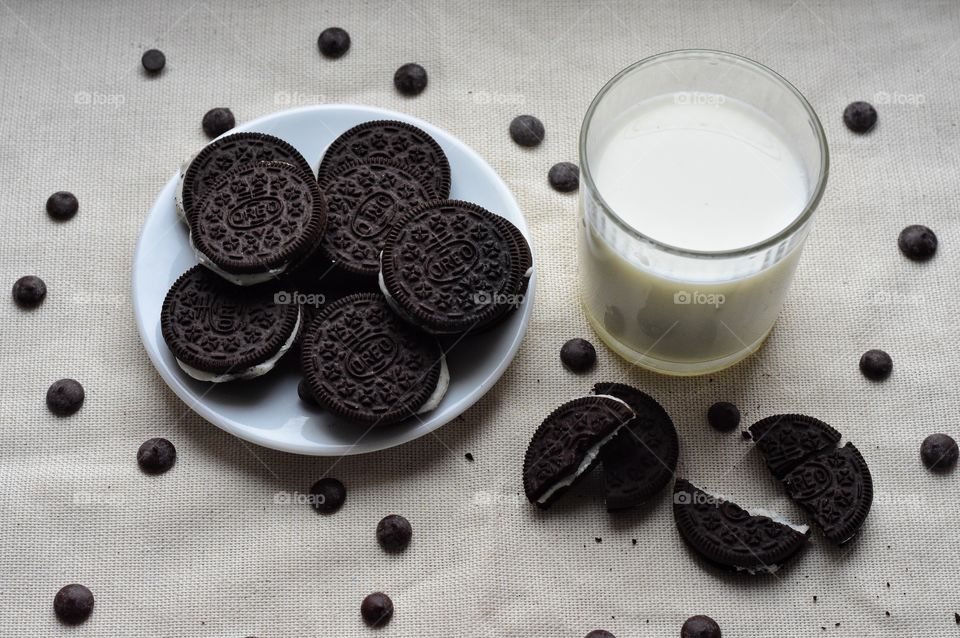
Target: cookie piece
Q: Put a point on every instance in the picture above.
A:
(568, 444)
(786, 440)
(390, 140)
(642, 459)
(836, 488)
(256, 220)
(366, 364)
(219, 332)
(220, 156)
(730, 537)
(453, 267)
(363, 201)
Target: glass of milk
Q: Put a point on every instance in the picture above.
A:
(701, 171)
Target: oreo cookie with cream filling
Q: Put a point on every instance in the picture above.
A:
(363, 202)
(257, 220)
(729, 536)
(390, 140)
(640, 461)
(568, 445)
(364, 363)
(219, 332)
(453, 267)
(200, 172)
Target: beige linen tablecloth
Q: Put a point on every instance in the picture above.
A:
(206, 550)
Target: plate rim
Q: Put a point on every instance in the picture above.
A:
(252, 435)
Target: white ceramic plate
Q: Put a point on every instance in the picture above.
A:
(267, 410)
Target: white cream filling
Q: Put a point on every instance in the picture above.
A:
(588, 458)
(443, 384)
(250, 373)
(178, 194)
(240, 280)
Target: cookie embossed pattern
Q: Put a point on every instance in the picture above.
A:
(267, 410)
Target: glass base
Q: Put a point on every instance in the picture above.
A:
(673, 368)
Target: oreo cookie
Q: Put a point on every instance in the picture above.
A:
(390, 140)
(219, 332)
(786, 440)
(642, 459)
(454, 267)
(363, 201)
(568, 444)
(364, 363)
(257, 220)
(835, 487)
(220, 156)
(730, 537)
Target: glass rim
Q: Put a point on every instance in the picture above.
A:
(812, 202)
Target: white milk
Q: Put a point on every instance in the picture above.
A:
(700, 176)
(704, 174)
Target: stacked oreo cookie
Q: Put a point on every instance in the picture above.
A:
(385, 264)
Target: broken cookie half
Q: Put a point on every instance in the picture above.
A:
(833, 484)
(731, 537)
(567, 445)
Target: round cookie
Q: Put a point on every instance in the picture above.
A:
(220, 156)
(363, 201)
(453, 267)
(256, 220)
(390, 140)
(364, 363)
(219, 332)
